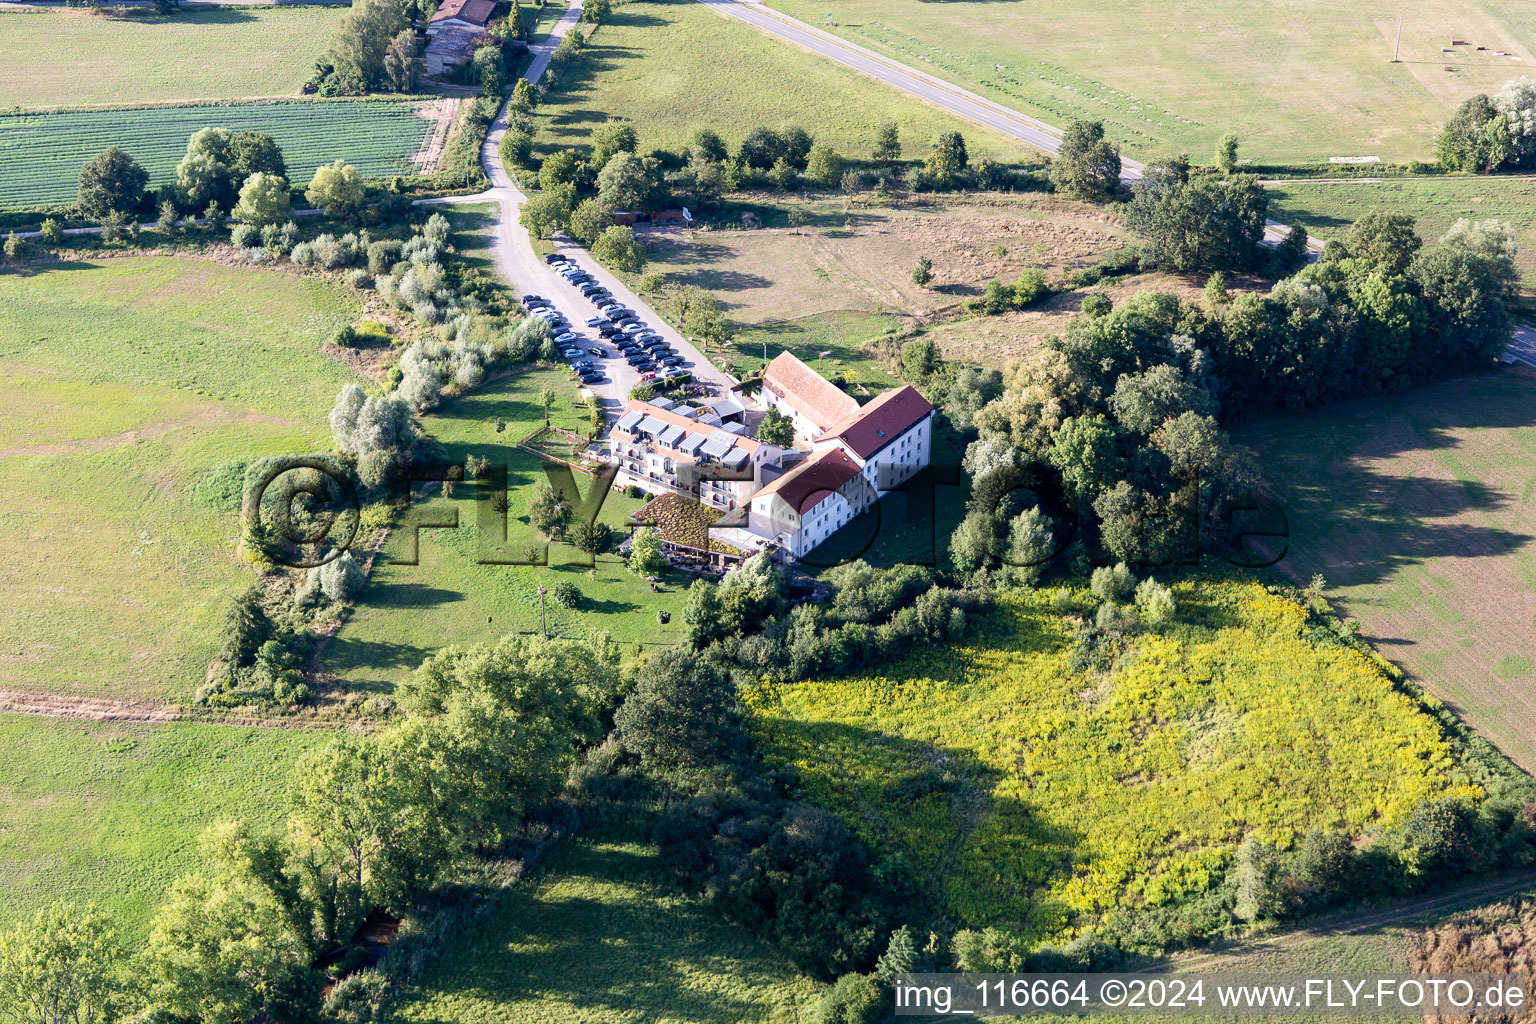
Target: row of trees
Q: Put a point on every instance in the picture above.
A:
(372, 49)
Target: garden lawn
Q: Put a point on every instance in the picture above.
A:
(79, 58)
(410, 611)
(41, 153)
(110, 812)
(1033, 795)
(674, 67)
(1417, 508)
(600, 934)
(1294, 80)
(1327, 210)
(127, 380)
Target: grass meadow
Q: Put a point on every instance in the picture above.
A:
(110, 812)
(1297, 81)
(1418, 509)
(41, 153)
(600, 934)
(60, 58)
(1329, 209)
(673, 67)
(128, 380)
(977, 762)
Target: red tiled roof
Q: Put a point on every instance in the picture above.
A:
(881, 421)
(477, 12)
(807, 392)
(814, 479)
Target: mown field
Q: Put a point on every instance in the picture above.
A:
(1418, 510)
(77, 58)
(41, 153)
(600, 934)
(1328, 210)
(127, 381)
(1296, 80)
(674, 67)
(1032, 793)
(110, 812)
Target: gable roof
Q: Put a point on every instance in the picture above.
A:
(476, 12)
(815, 479)
(881, 421)
(674, 430)
(807, 392)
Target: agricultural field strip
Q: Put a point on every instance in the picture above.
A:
(41, 153)
(966, 104)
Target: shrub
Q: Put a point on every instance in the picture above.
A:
(1096, 304)
(1154, 601)
(566, 594)
(855, 999)
(1114, 584)
(244, 236)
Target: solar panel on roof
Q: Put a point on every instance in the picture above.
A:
(660, 402)
(671, 436)
(735, 457)
(691, 443)
(653, 426)
(734, 427)
(629, 419)
(718, 445)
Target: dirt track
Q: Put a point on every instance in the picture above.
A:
(97, 709)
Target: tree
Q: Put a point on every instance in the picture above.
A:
(1260, 895)
(490, 70)
(1388, 240)
(246, 627)
(854, 999)
(1085, 450)
(224, 950)
(1087, 166)
(558, 168)
(783, 175)
(263, 200)
(1031, 544)
(15, 245)
(611, 138)
(645, 555)
(62, 967)
(708, 145)
(824, 166)
(1516, 101)
(948, 161)
(589, 220)
(1491, 240)
(1114, 584)
(1226, 153)
(683, 720)
(923, 272)
(524, 97)
(761, 148)
(255, 152)
(702, 620)
(1215, 294)
(1291, 254)
(1144, 401)
(547, 397)
(620, 249)
(626, 183)
(169, 217)
(548, 209)
(400, 62)
(361, 424)
(337, 189)
(111, 182)
(52, 232)
(516, 147)
(360, 44)
(776, 428)
(548, 511)
(596, 11)
(590, 538)
(1202, 224)
(1476, 138)
(888, 143)
(900, 956)
(920, 359)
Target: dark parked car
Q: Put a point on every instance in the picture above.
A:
(554, 257)
(597, 351)
(672, 361)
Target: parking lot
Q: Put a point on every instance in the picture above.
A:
(609, 336)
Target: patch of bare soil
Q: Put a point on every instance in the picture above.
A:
(55, 705)
(441, 113)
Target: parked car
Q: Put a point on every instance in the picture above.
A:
(637, 358)
(672, 361)
(527, 299)
(591, 378)
(597, 351)
(583, 364)
(554, 257)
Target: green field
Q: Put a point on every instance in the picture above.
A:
(74, 58)
(673, 67)
(126, 381)
(1034, 793)
(41, 153)
(1418, 509)
(600, 935)
(1296, 80)
(110, 812)
(1328, 210)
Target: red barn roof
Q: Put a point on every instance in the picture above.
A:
(476, 12)
(807, 392)
(881, 421)
(814, 479)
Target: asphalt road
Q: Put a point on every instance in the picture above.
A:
(527, 272)
(927, 87)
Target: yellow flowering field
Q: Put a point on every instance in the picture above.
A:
(1042, 798)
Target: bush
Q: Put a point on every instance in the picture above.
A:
(855, 999)
(566, 594)
(1114, 584)
(1154, 601)
(243, 236)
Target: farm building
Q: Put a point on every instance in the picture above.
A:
(810, 401)
(465, 14)
(449, 48)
